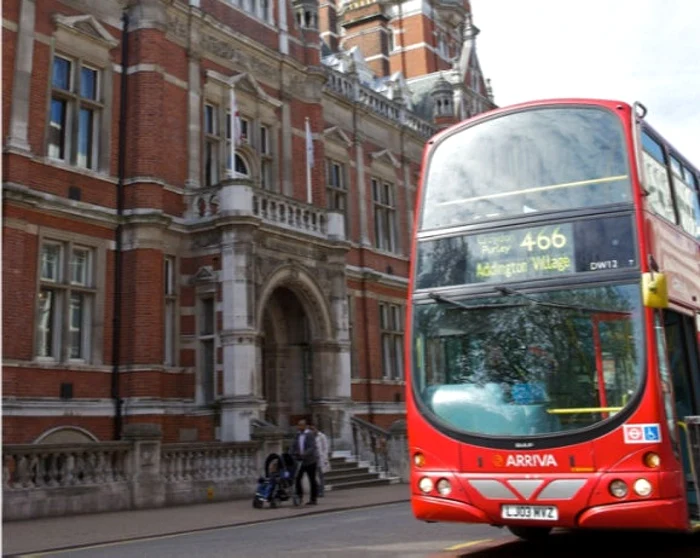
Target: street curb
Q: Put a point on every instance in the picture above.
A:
(304, 513)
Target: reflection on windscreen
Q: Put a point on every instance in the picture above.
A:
(512, 367)
(539, 160)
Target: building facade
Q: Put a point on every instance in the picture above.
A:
(166, 263)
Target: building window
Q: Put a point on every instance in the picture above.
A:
(74, 116)
(265, 158)
(65, 302)
(385, 232)
(170, 318)
(207, 352)
(336, 188)
(391, 327)
(245, 130)
(212, 145)
(241, 165)
(261, 9)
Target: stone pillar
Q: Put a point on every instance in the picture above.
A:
(241, 398)
(18, 138)
(361, 187)
(194, 117)
(332, 370)
(287, 163)
(147, 486)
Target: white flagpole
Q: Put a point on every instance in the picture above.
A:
(309, 161)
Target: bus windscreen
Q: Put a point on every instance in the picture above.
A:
(520, 364)
(536, 160)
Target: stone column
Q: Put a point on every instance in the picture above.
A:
(332, 371)
(361, 187)
(287, 163)
(241, 398)
(194, 116)
(19, 113)
(147, 486)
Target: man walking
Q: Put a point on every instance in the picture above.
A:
(304, 452)
(324, 462)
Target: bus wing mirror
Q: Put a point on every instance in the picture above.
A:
(654, 290)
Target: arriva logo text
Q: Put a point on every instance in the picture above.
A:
(533, 460)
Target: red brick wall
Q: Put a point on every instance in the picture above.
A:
(19, 261)
(156, 148)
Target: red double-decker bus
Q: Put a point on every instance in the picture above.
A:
(554, 311)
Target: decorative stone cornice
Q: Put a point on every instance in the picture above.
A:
(88, 27)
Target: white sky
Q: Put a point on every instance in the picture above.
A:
(628, 50)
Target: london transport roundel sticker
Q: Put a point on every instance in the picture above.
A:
(642, 433)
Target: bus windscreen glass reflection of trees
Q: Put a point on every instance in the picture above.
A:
(539, 160)
(529, 364)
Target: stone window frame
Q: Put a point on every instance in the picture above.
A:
(391, 334)
(267, 159)
(256, 108)
(95, 292)
(341, 191)
(85, 42)
(206, 396)
(171, 346)
(387, 208)
(337, 148)
(256, 8)
(211, 130)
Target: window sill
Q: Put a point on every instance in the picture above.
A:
(91, 173)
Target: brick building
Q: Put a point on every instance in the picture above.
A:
(144, 278)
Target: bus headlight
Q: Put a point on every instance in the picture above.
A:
(618, 488)
(425, 485)
(444, 487)
(642, 487)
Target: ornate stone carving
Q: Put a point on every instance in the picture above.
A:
(205, 239)
(177, 27)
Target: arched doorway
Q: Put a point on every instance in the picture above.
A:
(287, 358)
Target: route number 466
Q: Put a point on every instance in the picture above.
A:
(544, 241)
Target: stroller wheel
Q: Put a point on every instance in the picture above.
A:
(257, 503)
(296, 500)
(273, 504)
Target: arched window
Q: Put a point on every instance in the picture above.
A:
(241, 166)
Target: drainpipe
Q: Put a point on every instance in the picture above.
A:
(118, 276)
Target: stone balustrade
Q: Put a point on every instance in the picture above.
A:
(239, 198)
(349, 88)
(139, 472)
(289, 213)
(48, 466)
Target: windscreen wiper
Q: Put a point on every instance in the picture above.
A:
(506, 291)
(447, 300)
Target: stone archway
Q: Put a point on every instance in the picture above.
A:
(286, 358)
(298, 347)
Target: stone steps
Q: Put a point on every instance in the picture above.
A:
(346, 473)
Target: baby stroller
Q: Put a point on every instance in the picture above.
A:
(278, 483)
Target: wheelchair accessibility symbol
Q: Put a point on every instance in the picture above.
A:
(652, 433)
(642, 433)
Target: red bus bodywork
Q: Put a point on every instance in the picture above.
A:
(483, 479)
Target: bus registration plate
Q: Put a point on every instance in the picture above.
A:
(541, 513)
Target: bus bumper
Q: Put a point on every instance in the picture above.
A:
(668, 514)
(427, 508)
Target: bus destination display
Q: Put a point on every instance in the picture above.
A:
(541, 251)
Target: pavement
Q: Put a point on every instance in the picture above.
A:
(56, 533)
